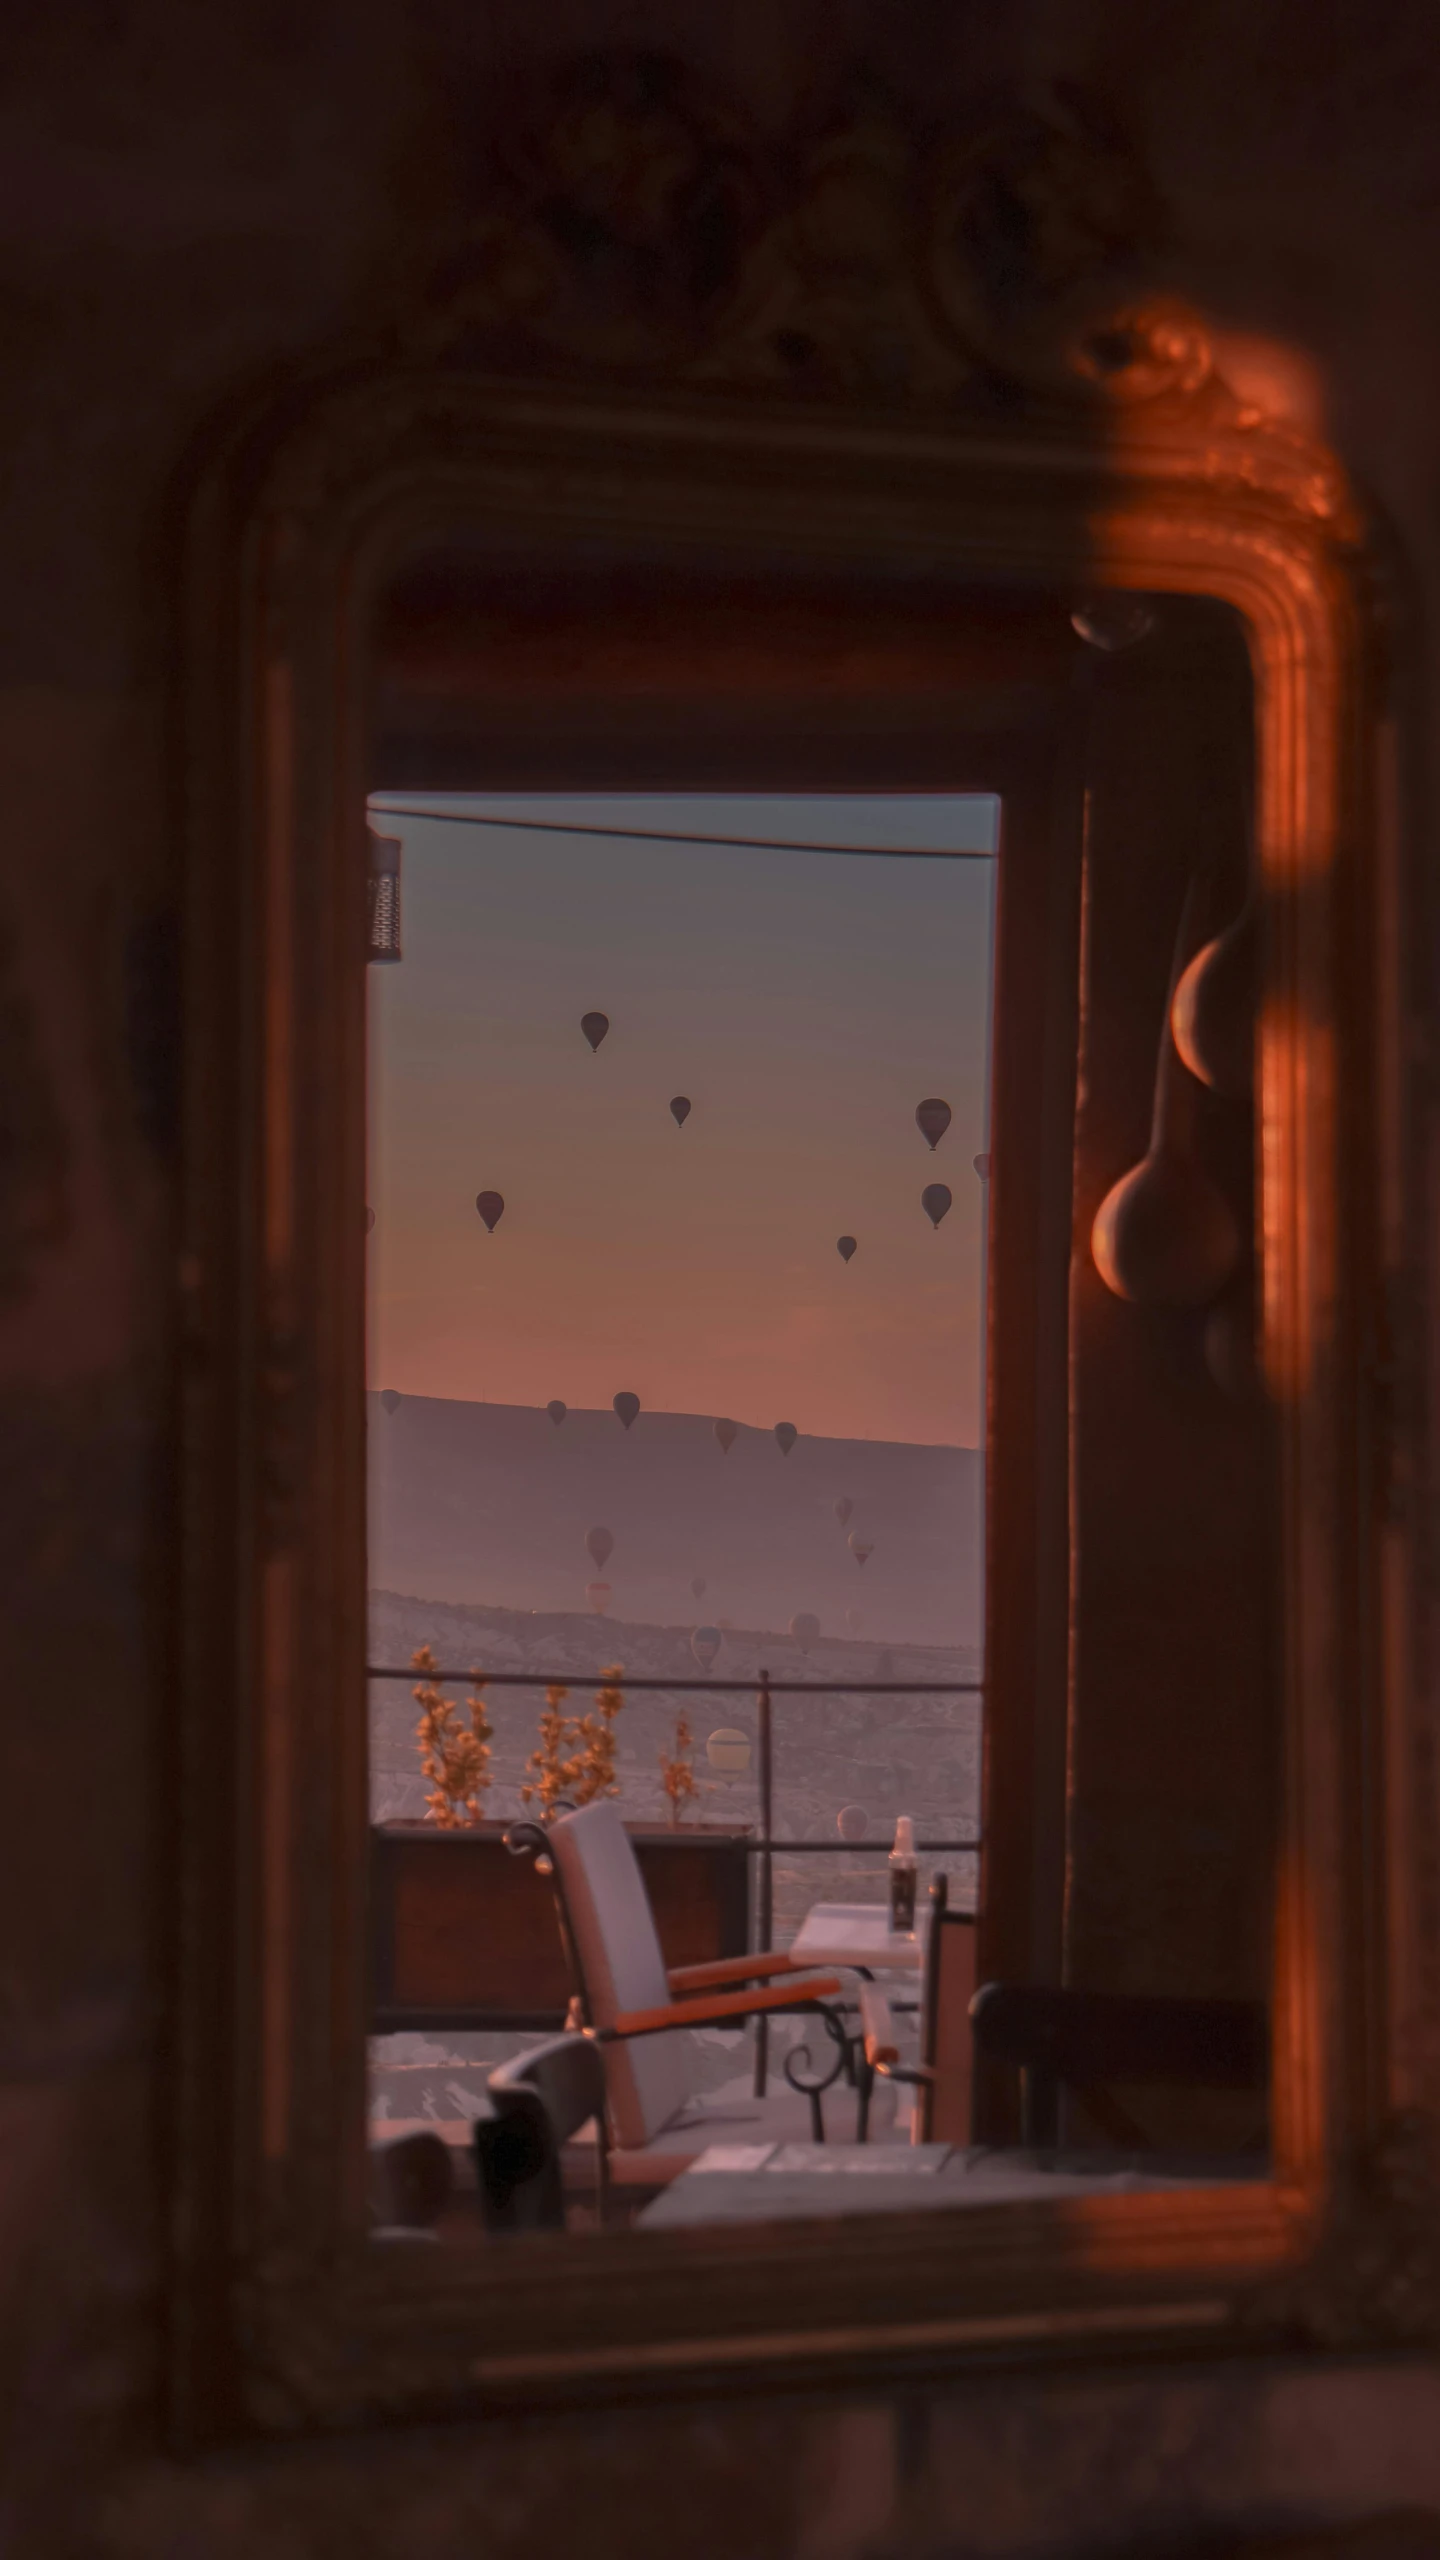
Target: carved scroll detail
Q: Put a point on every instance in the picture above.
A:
(639, 225)
(628, 227)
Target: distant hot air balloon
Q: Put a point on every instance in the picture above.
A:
(727, 1433)
(600, 1547)
(852, 1822)
(932, 1119)
(935, 1201)
(705, 1644)
(852, 1621)
(680, 1109)
(728, 1749)
(860, 1547)
(982, 1167)
(697, 1587)
(787, 1435)
(491, 1205)
(805, 1628)
(390, 1397)
(598, 1595)
(369, 1220)
(844, 1246)
(627, 1406)
(556, 1410)
(843, 1509)
(594, 1026)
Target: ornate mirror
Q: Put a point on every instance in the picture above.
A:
(844, 509)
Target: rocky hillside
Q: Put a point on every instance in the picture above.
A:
(492, 1504)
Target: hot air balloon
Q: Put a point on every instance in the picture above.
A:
(600, 1547)
(390, 1397)
(627, 1406)
(852, 1822)
(787, 1435)
(982, 1167)
(598, 1595)
(843, 1509)
(935, 1201)
(491, 1206)
(844, 1246)
(705, 1644)
(680, 1109)
(556, 1410)
(727, 1432)
(932, 1119)
(697, 1587)
(594, 1026)
(728, 1749)
(369, 1220)
(805, 1628)
(860, 1547)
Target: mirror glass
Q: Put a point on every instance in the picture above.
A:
(821, 1511)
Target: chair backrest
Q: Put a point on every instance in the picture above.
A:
(621, 1967)
(537, 2102)
(946, 2043)
(567, 2072)
(1084, 2039)
(1144, 2039)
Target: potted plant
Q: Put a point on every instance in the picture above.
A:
(463, 1935)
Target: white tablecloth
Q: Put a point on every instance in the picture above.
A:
(859, 1933)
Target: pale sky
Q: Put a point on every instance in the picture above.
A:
(804, 1002)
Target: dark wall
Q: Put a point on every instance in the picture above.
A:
(193, 193)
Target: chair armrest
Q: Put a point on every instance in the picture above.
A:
(878, 2027)
(719, 2006)
(713, 1977)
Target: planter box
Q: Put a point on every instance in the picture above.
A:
(463, 1936)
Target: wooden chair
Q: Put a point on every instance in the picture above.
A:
(1078, 2040)
(1083, 2040)
(635, 2010)
(539, 2102)
(943, 2075)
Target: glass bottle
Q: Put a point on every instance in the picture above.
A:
(902, 1878)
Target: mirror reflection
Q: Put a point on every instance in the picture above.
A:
(822, 1693)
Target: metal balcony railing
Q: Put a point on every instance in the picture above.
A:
(765, 1690)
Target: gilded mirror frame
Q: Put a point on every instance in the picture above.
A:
(1132, 466)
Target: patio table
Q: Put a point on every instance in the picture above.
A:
(859, 1934)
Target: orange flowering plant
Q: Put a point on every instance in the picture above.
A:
(574, 1759)
(551, 1769)
(456, 1761)
(677, 1769)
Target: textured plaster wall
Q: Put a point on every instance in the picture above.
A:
(192, 193)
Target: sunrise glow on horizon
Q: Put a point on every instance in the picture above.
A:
(804, 1003)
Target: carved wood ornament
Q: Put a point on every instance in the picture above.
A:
(855, 346)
